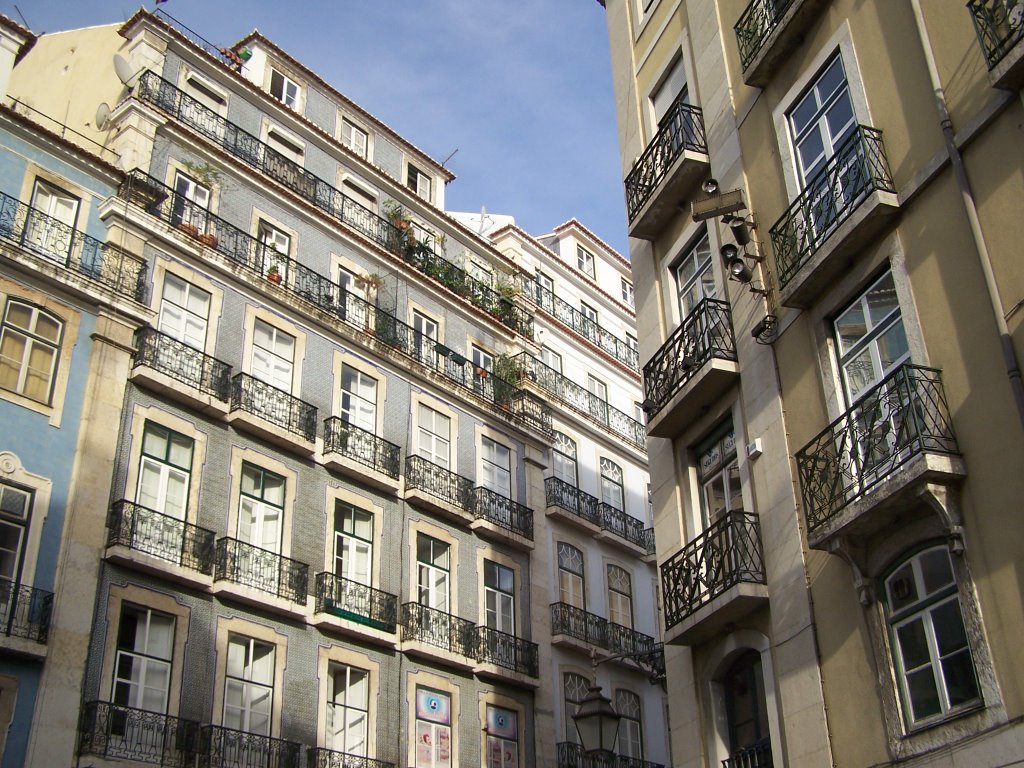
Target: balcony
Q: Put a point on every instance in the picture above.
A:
(569, 503)
(574, 627)
(273, 414)
(576, 321)
(693, 369)
(572, 756)
(355, 609)
(438, 636)
(320, 757)
(714, 580)
(767, 31)
(757, 755)
(999, 25)
(360, 454)
(221, 747)
(154, 90)
(498, 517)
(42, 241)
(623, 530)
(621, 425)
(877, 455)
(156, 543)
(164, 364)
(627, 641)
(841, 209)
(667, 172)
(25, 612)
(506, 658)
(251, 575)
(114, 732)
(439, 490)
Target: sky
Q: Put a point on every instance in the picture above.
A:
(522, 89)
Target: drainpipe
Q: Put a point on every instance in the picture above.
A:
(1005, 342)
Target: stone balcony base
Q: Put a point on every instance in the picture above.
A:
(344, 465)
(272, 433)
(171, 388)
(500, 674)
(713, 617)
(157, 566)
(359, 629)
(257, 598)
(705, 387)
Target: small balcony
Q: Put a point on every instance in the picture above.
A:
(840, 210)
(999, 25)
(361, 455)
(25, 612)
(320, 757)
(576, 321)
(221, 747)
(180, 372)
(573, 627)
(156, 543)
(439, 636)
(355, 609)
(627, 641)
(500, 518)
(273, 414)
(767, 31)
(667, 172)
(260, 577)
(693, 369)
(623, 530)
(572, 756)
(867, 466)
(506, 658)
(757, 755)
(439, 490)
(714, 580)
(569, 503)
(114, 732)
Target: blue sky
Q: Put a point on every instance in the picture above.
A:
(522, 88)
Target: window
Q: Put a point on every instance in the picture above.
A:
(205, 93)
(695, 279)
(598, 400)
(620, 596)
(425, 338)
(51, 220)
(184, 311)
(545, 289)
(639, 415)
(285, 145)
(273, 353)
(821, 120)
(164, 471)
(499, 596)
(30, 339)
(360, 194)
(481, 272)
(574, 690)
(284, 90)
(354, 137)
(496, 463)
(745, 710)
(433, 561)
(571, 583)
(261, 508)
(249, 685)
(353, 543)
(632, 343)
(348, 705)
(564, 459)
(502, 744)
(719, 474)
(930, 649)
(358, 399)
(347, 283)
(433, 729)
(612, 492)
(670, 91)
(142, 666)
(551, 359)
(585, 261)
(274, 241)
(631, 734)
(15, 516)
(627, 292)
(191, 202)
(590, 314)
(483, 363)
(434, 442)
(418, 182)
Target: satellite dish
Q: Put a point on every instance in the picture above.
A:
(102, 115)
(123, 69)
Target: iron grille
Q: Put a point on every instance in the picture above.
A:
(357, 602)
(999, 25)
(439, 629)
(320, 757)
(25, 611)
(182, 363)
(261, 569)
(503, 512)
(439, 482)
(361, 445)
(755, 24)
(271, 404)
(576, 321)
(112, 731)
(580, 624)
(507, 651)
(227, 748)
(162, 536)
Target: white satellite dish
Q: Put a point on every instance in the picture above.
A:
(102, 115)
(123, 70)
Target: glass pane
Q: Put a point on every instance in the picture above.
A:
(913, 644)
(810, 149)
(892, 346)
(262, 663)
(860, 373)
(47, 328)
(161, 635)
(902, 588)
(839, 116)
(924, 696)
(936, 570)
(831, 80)
(881, 299)
(851, 327)
(958, 674)
(237, 651)
(948, 625)
(273, 490)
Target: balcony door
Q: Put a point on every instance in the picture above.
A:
(359, 408)
(425, 339)
(51, 224)
(273, 355)
(348, 705)
(260, 518)
(499, 594)
(353, 543)
(184, 312)
(191, 202)
(571, 584)
(165, 470)
(15, 517)
(433, 562)
(746, 712)
(695, 278)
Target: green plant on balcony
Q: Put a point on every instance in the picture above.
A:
(508, 371)
(204, 173)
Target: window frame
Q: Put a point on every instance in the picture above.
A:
(573, 576)
(344, 120)
(586, 262)
(286, 80)
(416, 179)
(610, 484)
(621, 596)
(30, 339)
(628, 293)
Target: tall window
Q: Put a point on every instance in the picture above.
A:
(283, 89)
(418, 182)
(612, 492)
(30, 339)
(502, 746)
(574, 689)
(261, 508)
(545, 288)
(590, 314)
(597, 403)
(631, 732)
(499, 593)
(669, 92)
(142, 667)
(348, 705)
(571, 583)
(930, 649)
(51, 220)
(433, 562)
(434, 442)
(483, 363)
(249, 685)
(191, 202)
(564, 459)
(496, 462)
(273, 355)
(15, 513)
(745, 710)
(585, 261)
(620, 596)
(627, 292)
(358, 398)
(551, 359)
(353, 543)
(719, 473)
(275, 246)
(425, 338)
(822, 120)
(184, 311)
(354, 137)
(433, 729)
(164, 471)
(695, 279)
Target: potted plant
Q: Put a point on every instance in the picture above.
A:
(369, 282)
(274, 274)
(188, 228)
(395, 213)
(208, 239)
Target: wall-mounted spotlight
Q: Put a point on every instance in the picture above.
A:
(740, 230)
(735, 262)
(710, 186)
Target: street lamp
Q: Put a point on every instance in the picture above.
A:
(597, 723)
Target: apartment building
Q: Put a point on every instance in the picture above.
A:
(820, 199)
(336, 525)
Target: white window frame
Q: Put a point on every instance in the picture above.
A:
(270, 364)
(142, 662)
(252, 690)
(586, 262)
(432, 443)
(191, 313)
(292, 101)
(628, 293)
(354, 130)
(353, 551)
(419, 181)
(572, 575)
(499, 599)
(433, 575)
(353, 709)
(31, 340)
(694, 276)
(496, 466)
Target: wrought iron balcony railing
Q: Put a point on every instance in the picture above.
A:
(575, 622)
(682, 130)
(705, 334)
(362, 446)
(561, 494)
(75, 251)
(271, 404)
(163, 94)
(357, 602)
(320, 757)
(576, 321)
(507, 651)
(227, 748)
(755, 24)
(857, 169)
(163, 536)
(439, 629)
(902, 416)
(439, 482)
(650, 546)
(182, 363)
(250, 566)
(999, 25)
(572, 756)
(727, 553)
(622, 525)
(25, 611)
(626, 640)
(115, 732)
(758, 755)
(583, 401)
(502, 511)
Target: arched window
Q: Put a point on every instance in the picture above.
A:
(612, 492)
(571, 584)
(631, 735)
(575, 688)
(30, 340)
(745, 711)
(620, 596)
(564, 459)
